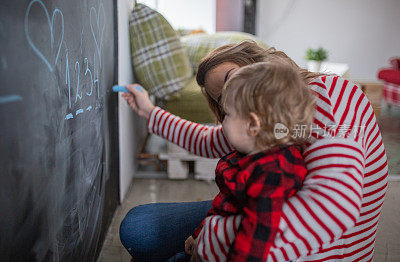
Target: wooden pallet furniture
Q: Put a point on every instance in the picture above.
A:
(178, 160)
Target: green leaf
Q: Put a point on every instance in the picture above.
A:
(319, 54)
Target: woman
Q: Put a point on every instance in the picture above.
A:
(333, 217)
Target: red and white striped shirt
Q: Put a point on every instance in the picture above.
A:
(335, 214)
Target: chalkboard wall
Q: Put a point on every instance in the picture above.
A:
(58, 140)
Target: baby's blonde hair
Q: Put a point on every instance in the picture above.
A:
(276, 93)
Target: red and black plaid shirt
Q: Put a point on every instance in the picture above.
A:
(256, 187)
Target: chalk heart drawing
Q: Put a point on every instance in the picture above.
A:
(95, 24)
(56, 12)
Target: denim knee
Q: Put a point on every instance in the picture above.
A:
(155, 232)
(137, 231)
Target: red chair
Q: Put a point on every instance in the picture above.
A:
(391, 86)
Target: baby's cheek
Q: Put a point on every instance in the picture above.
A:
(230, 136)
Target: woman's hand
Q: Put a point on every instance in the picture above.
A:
(139, 101)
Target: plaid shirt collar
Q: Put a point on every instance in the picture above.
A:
(236, 158)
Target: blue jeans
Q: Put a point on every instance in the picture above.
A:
(157, 232)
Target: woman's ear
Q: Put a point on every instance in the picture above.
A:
(254, 125)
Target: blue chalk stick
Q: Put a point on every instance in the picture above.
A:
(118, 88)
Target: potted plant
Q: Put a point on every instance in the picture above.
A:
(315, 57)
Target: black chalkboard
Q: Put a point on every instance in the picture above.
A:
(58, 131)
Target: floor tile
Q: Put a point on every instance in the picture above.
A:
(388, 234)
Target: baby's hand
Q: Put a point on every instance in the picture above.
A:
(191, 249)
(195, 256)
(189, 245)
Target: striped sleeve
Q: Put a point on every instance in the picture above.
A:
(328, 204)
(203, 140)
(217, 236)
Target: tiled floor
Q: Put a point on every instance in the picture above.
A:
(389, 123)
(387, 247)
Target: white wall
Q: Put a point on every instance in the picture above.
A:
(361, 33)
(186, 14)
(131, 128)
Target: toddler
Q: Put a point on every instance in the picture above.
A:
(263, 105)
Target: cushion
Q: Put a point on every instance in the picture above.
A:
(390, 76)
(190, 104)
(199, 45)
(159, 61)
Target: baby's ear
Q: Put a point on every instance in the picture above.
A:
(254, 125)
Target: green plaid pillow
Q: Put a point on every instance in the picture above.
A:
(159, 61)
(199, 45)
(190, 104)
